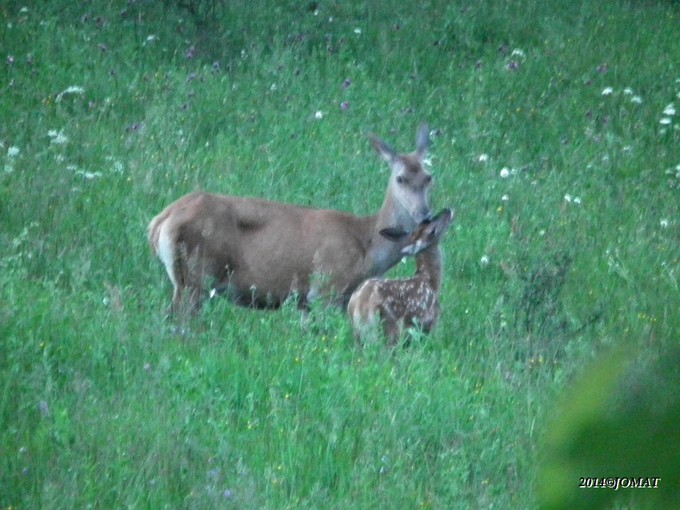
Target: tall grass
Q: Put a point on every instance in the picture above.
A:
(552, 136)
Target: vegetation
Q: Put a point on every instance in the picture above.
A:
(554, 135)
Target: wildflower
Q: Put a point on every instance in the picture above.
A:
(357, 31)
(150, 39)
(603, 68)
(505, 173)
(665, 121)
(607, 91)
(318, 115)
(344, 105)
(10, 60)
(44, 409)
(517, 53)
(669, 110)
(513, 65)
(103, 48)
(567, 198)
(191, 52)
(577, 200)
(89, 175)
(13, 151)
(636, 99)
(664, 223)
(484, 261)
(628, 91)
(346, 83)
(483, 158)
(57, 137)
(505, 198)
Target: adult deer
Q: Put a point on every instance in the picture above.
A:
(260, 252)
(407, 302)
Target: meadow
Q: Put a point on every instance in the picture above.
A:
(554, 136)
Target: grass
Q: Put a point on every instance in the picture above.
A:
(111, 110)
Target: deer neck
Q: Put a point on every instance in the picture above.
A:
(384, 253)
(393, 214)
(429, 266)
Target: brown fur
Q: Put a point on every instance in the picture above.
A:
(259, 252)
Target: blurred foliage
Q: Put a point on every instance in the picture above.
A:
(620, 418)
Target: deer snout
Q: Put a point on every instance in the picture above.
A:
(422, 214)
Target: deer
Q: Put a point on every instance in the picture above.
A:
(260, 252)
(398, 304)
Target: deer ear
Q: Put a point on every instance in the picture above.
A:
(423, 140)
(387, 152)
(393, 234)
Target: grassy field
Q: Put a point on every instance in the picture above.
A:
(554, 135)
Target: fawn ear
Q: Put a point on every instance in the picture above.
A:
(393, 234)
(414, 248)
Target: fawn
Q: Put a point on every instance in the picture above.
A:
(403, 303)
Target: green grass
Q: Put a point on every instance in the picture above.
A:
(102, 405)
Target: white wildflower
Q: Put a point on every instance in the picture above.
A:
(89, 175)
(505, 198)
(636, 100)
(483, 158)
(628, 91)
(567, 198)
(665, 121)
(577, 200)
(669, 110)
(357, 31)
(505, 173)
(484, 261)
(150, 38)
(664, 223)
(517, 53)
(57, 137)
(607, 91)
(13, 151)
(318, 115)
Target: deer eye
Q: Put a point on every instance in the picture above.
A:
(428, 180)
(401, 179)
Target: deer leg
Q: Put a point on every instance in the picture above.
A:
(392, 331)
